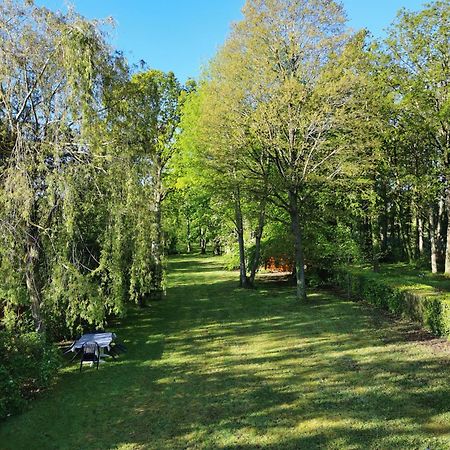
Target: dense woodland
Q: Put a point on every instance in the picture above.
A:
(302, 141)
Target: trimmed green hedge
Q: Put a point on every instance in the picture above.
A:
(431, 310)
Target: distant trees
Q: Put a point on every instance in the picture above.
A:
(418, 72)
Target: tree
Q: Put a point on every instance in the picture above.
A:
(52, 70)
(419, 69)
(146, 119)
(215, 140)
(299, 94)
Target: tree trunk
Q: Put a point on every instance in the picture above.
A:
(419, 236)
(258, 237)
(299, 261)
(157, 291)
(217, 251)
(202, 242)
(393, 229)
(433, 244)
(376, 247)
(243, 280)
(32, 278)
(188, 236)
(439, 237)
(447, 247)
(384, 222)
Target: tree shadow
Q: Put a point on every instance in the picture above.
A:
(215, 366)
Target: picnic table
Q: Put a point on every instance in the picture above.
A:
(103, 340)
(106, 344)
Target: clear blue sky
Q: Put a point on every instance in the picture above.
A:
(182, 35)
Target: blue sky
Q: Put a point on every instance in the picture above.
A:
(182, 35)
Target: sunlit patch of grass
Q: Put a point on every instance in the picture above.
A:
(407, 277)
(218, 367)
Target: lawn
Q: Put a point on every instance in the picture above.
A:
(406, 276)
(217, 367)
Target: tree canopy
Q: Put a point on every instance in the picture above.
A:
(304, 144)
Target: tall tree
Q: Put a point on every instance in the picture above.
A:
(52, 69)
(418, 48)
(301, 91)
(148, 117)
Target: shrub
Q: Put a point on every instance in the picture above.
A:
(430, 310)
(230, 259)
(27, 365)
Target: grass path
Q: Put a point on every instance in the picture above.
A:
(216, 367)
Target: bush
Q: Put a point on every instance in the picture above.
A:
(430, 310)
(230, 260)
(27, 365)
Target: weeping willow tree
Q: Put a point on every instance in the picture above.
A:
(143, 121)
(55, 173)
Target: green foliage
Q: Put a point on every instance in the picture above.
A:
(230, 259)
(198, 207)
(27, 365)
(431, 309)
(82, 179)
(144, 117)
(277, 243)
(288, 106)
(52, 179)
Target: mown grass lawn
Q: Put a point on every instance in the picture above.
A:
(406, 276)
(217, 367)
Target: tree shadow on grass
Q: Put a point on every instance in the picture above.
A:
(215, 366)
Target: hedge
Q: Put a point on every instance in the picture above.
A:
(431, 309)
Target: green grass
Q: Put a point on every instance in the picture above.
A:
(217, 367)
(407, 277)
